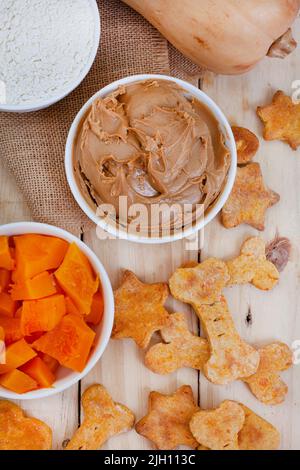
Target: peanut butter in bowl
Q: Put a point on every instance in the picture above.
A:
(156, 144)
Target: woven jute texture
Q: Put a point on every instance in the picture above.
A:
(32, 145)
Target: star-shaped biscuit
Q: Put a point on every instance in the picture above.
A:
(249, 199)
(180, 348)
(281, 119)
(139, 310)
(167, 421)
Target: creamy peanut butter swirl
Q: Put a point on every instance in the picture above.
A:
(147, 141)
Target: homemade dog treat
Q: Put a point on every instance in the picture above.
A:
(202, 284)
(139, 310)
(257, 433)
(247, 144)
(266, 383)
(252, 266)
(167, 421)
(181, 348)
(231, 358)
(103, 418)
(249, 199)
(218, 429)
(233, 426)
(20, 432)
(281, 119)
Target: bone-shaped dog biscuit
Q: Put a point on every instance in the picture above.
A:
(266, 383)
(202, 284)
(252, 266)
(181, 348)
(103, 418)
(231, 358)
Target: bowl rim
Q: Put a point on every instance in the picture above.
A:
(217, 205)
(19, 228)
(42, 104)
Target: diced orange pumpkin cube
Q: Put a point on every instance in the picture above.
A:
(17, 354)
(52, 363)
(5, 277)
(12, 329)
(76, 277)
(43, 314)
(97, 309)
(38, 287)
(2, 333)
(39, 371)
(37, 253)
(18, 312)
(71, 307)
(69, 342)
(7, 305)
(18, 382)
(32, 338)
(6, 259)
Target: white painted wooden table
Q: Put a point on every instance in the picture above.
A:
(275, 315)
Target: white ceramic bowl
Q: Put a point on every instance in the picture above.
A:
(65, 377)
(29, 107)
(191, 91)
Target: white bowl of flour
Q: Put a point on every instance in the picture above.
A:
(47, 47)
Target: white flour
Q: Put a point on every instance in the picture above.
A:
(44, 46)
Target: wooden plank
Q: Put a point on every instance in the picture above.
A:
(60, 411)
(121, 368)
(274, 315)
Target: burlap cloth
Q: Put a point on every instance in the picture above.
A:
(32, 145)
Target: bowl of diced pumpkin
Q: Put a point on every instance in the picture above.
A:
(56, 310)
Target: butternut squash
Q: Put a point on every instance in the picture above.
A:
(39, 371)
(37, 253)
(17, 354)
(6, 259)
(5, 277)
(8, 306)
(76, 277)
(2, 336)
(38, 287)
(51, 363)
(12, 329)
(69, 342)
(224, 36)
(43, 314)
(18, 382)
(97, 309)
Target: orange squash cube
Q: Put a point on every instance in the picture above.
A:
(37, 253)
(97, 309)
(38, 287)
(2, 333)
(77, 279)
(12, 329)
(5, 277)
(18, 382)
(17, 354)
(7, 305)
(52, 363)
(69, 342)
(39, 371)
(71, 307)
(6, 259)
(43, 314)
